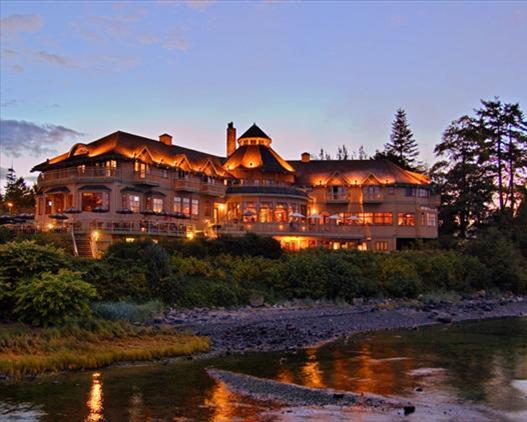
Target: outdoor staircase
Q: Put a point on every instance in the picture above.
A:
(83, 242)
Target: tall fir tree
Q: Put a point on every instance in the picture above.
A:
(464, 177)
(402, 148)
(18, 193)
(505, 129)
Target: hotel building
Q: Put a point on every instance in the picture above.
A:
(125, 186)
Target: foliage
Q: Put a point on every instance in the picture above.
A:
(18, 194)
(127, 311)
(247, 245)
(21, 260)
(51, 299)
(465, 178)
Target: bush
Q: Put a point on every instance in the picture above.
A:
(114, 280)
(22, 260)
(19, 260)
(248, 245)
(399, 277)
(51, 299)
(505, 264)
(127, 311)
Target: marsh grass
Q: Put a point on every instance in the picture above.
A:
(26, 351)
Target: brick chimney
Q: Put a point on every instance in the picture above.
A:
(306, 157)
(231, 139)
(165, 138)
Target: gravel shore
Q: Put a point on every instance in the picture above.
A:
(295, 325)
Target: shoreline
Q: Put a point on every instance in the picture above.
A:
(288, 328)
(291, 327)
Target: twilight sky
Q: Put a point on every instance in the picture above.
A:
(311, 74)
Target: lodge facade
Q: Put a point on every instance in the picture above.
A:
(127, 186)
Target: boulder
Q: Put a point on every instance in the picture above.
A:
(444, 318)
(256, 301)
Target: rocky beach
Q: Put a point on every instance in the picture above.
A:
(295, 325)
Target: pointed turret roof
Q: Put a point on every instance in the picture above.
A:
(254, 132)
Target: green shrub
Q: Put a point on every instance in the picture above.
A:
(506, 266)
(51, 299)
(25, 259)
(398, 276)
(6, 235)
(115, 280)
(127, 311)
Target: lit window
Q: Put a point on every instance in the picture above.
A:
(157, 204)
(93, 200)
(423, 193)
(381, 245)
(132, 202)
(383, 218)
(195, 207)
(431, 219)
(186, 206)
(177, 204)
(280, 213)
(141, 169)
(406, 219)
(266, 213)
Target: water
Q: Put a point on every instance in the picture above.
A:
(471, 364)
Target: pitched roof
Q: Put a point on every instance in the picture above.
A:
(259, 157)
(128, 146)
(254, 132)
(316, 172)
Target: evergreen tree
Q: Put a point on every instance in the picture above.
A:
(402, 148)
(362, 153)
(506, 143)
(18, 193)
(342, 153)
(323, 155)
(464, 178)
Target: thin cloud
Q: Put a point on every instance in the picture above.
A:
(54, 59)
(20, 137)
(15, 24)
(16, 68)
(176, 41)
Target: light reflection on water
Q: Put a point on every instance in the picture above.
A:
(474, 362)
(95, 403)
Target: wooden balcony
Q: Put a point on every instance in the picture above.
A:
(297, 229)
(337, 198)
(191, 184)
(78, 175)
(147, 179)
(213, 189)
(372, 198)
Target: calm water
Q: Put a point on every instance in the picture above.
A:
(473, 363)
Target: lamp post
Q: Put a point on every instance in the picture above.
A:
(10, 206)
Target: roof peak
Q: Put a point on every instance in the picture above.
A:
(254, 132)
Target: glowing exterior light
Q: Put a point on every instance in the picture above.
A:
(95, 234)
(190, 235)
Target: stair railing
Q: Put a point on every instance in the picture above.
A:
(75, 248)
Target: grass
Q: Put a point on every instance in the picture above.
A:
(27, 351)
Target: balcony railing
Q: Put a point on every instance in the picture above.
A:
(372, 198)
(129, 227)
(334, 197)
(150, 179)
(293, 229)
(190, 184)
(214, 189)
(99, 174)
